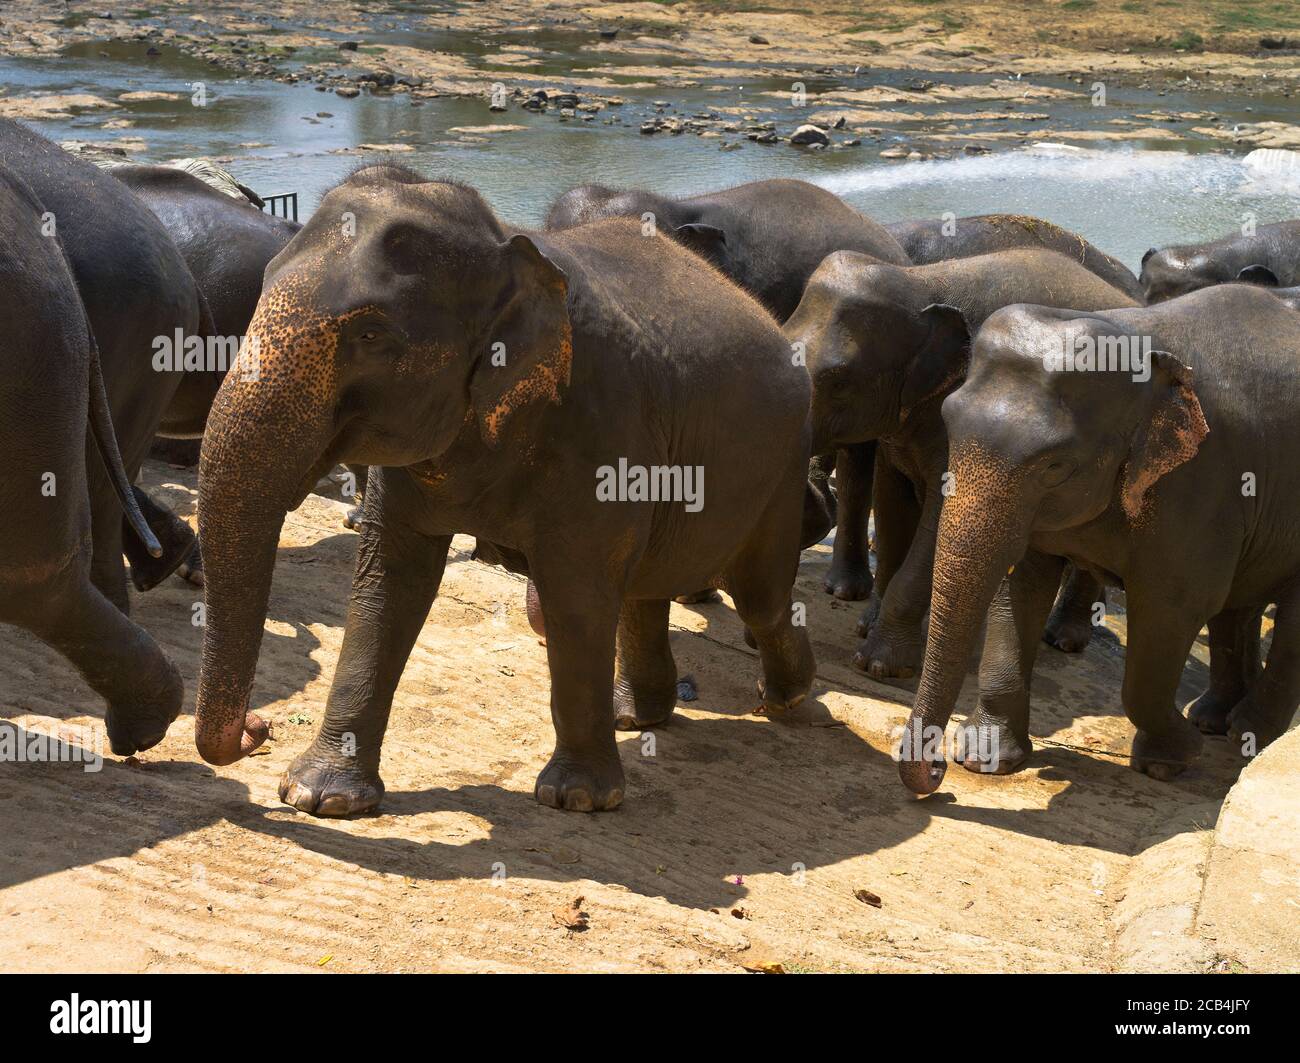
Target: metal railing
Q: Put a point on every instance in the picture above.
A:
(284, 205)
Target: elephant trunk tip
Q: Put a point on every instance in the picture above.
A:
(922, 776)
(233, 742)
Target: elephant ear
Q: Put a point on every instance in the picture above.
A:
(1258, 274)
(706, 241)
(942, 357)
(528, 349)
(1172, 435)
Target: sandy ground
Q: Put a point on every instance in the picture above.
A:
(741, 843)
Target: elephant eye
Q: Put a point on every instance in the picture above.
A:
(370, 335)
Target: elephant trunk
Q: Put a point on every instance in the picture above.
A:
(981, 535)
(262, 452)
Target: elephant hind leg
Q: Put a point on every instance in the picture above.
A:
(118, 658)
(760, 581)
(1234, 667)
(645, 678)
(1070, 626)
(1269, 706)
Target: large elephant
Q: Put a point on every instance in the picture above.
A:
(1268, 255)
(226, 243)
(935, 239)
(527, 389)
(52, 391)
(138, 293)
(769, 237)
(1163, 465)
(885, 345)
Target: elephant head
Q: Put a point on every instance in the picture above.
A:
(1036, 447)
(401, 319)
(1174, 271)
(875, 346)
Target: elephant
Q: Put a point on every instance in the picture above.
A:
(138, 294)
(53, 392)
(1269, 256)
(226, 243)
(769, 237)
(935, 239)
(885, 344)
(528, 389)
(1163, 467)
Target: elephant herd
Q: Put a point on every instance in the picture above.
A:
(645, 400)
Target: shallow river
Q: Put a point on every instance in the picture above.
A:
(1124, 198)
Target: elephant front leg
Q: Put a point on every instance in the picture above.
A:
(895, 643)
(897, 515)
(1234, 667)
(397, 576)
(1160, 638)
(996, 738)
(849, 577)
(581, 616)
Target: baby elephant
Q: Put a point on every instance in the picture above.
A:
(1154, 447)
(885, 345)
(571, 398)
(1269, 256)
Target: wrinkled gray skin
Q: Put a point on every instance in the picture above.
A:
(381, 347)
(933, 240)
(1289, 296)
(1141, 483)
(1270, 257)
(226, 243)
(885, 345)
(769, 237)
(52, 390)
(135, 287)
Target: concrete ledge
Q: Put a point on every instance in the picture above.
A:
(1250, 905)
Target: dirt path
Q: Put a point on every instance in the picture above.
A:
(169, 864)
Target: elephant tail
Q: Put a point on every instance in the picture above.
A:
(101, 427)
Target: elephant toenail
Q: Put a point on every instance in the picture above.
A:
(578, 801)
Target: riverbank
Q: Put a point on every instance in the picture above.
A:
(987, 73)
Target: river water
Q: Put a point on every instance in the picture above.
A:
(1125, 198)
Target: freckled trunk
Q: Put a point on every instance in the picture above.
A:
(978, 543)
(261, 450)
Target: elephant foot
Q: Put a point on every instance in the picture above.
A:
(327, 784)
(785, 686)
(1069, 634)
(890, 653)
(1167, 753)
(708, 596)
(580, 784)
(191, 569)
(1252, 723)
(849, 582)
(869, 616)
(637, 712)
(1209, 714)
(142, 723)
(353, 516)
(177, 540)
(988, 746)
